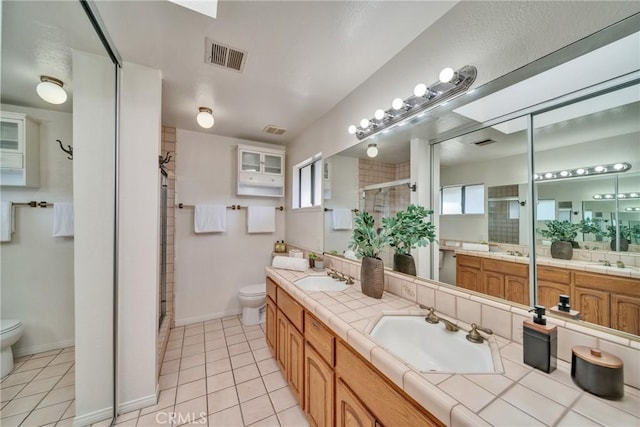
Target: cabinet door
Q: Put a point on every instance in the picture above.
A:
(516, 289)
(282, 339)
(625, 313)
(11, 135)
(271, 326)
(250, 161)
(318, 389)
(493, 284)
(592, 304)
(272, 164)
(295, 361)
(349, 411)
(469, 278)
(549, 293)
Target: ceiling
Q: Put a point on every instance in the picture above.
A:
(303, 57)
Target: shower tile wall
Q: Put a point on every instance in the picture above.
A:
(502, 228)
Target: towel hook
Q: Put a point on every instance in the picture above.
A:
(68, 150)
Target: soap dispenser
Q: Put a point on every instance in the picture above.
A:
(540, 342)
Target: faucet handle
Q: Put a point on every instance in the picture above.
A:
(474, 335)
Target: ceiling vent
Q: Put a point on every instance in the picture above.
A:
(224, 56)
(273, 130)
(484, 142)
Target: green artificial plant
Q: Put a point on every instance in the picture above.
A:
(366, 241)
(409, 229)
(560, 231)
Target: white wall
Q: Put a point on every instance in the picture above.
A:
(93, 195)
(138, 235)
(37, 269)
(345, 177)
(210, 268)
(496, 37)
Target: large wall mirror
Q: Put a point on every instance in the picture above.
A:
(544, 165)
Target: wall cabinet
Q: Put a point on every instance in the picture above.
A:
(260, 171)
(19, 150)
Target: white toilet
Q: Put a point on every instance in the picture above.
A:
(10, 332)
(253, 299)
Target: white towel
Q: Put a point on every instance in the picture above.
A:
(210, 219)
(62, 219)
(261, 219)
(342, 219)
(287, 263)
(6, 221)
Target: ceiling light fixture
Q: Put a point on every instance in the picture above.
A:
(584, 171)
(634, 209)
(51, 90)
(611, 196)
(424, 98)
(205, 117)
(372, 150)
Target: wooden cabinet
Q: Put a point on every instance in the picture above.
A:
(349, 411)
(493, 283)
(625, 313)
(516, 289)
(592, 304)
(295, 363)
(319, 389)
(270, 334)
(501, 279)
(468, 273)
(551, 283)
(282, 335)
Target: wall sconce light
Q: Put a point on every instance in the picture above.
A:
(573, 173)
(51, 90)
(205, 117)
(372, 150)
(611, 196)
(424, 98)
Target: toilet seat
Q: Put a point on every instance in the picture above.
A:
(259, 289)
(8, 325)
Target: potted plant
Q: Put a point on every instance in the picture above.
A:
(367, 243)
(561, 234)
(627, 235)
(312, 259)
(408, 230)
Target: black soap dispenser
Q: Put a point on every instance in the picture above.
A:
(540, 342)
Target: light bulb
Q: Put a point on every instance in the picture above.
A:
(205, 117)
(352, 129)
(51, 90)
(379, 114)
(621, 196)
(372, 150)
(364, 123)
(548, 175)
(397, 103)
(608, 196)
(618, 166)
(420, 89)
(599, 169)
(564, 173)
(446, 75)
(580, 171)
(597, 196)
(633, 195)
(536, 176)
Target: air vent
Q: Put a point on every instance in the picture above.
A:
(485, 142)
(224, 56)
(273, 130)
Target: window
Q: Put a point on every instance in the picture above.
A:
(307, 183)
(462, 199)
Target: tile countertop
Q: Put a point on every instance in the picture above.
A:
(592, 267)
(519, 395)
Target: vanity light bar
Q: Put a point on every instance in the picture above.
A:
(610, 196)
(423, 99)
(637, 209)
(591, 170)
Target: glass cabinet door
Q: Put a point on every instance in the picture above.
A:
(250, 161)
(273, 164)
(9, 135)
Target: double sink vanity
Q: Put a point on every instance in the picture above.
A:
(354, 360)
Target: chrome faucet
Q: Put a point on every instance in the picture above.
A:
(474, 335)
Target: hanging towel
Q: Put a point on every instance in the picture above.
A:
(342, 219)
(6, 221)
(261, 219)
(210, 219)
(287, 263)
(62, 219)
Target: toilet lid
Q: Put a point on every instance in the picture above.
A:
(254, 290)
(7, 325)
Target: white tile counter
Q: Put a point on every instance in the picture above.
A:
(517, 395)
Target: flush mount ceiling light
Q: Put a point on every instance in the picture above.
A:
(50, 89)
(372, 150)
(205, 117)
(584, 171)
(611, 196)
(424, 98)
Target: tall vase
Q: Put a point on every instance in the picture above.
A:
(561, 250)
(624, 245)
(372, 277)
(404, 264)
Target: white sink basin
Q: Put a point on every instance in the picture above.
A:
(320, 283)
(431, 348)
(612, 267)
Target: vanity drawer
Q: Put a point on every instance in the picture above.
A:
(469, 261)
(271, 289)
(505, 267)
(290, 308)
(320, 338)
(553, 274)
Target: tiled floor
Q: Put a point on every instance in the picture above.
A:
(219, 373)
(40, 390)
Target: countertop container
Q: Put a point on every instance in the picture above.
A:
(597, 372)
